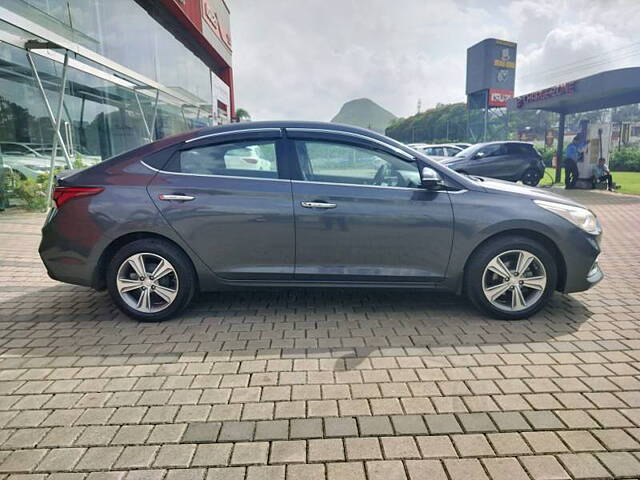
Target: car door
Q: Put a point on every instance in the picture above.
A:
(361, 214)
(518, 159)
(489, 161)
(235, 213)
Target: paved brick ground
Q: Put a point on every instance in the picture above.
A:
(334, 385)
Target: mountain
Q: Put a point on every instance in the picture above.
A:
(365, 113)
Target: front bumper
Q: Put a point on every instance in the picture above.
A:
(581, 261)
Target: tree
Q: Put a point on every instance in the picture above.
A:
(242, 115)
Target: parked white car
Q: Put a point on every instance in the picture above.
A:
(247, 158)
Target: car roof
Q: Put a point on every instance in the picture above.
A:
(283, 124)
(505, 141)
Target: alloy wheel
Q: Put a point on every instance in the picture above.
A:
(530, 178)
(514, 280)
(147, 282)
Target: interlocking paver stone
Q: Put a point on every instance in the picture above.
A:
(583, 466)
(504, 469)
(621, 464)
(362, 448)
(212, 455)
(465, 469)
(293, 451)
(544, 467)
(326, 450)
(386, 470)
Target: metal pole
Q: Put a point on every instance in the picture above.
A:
(63, 83)
(486, 115)
(155, 116)
(144, 118)
(560, 147)
(34, 70)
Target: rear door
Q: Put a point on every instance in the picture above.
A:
(361, 214)
(229, 198)
(520, 158)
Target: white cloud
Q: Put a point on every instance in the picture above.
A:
(302, 59)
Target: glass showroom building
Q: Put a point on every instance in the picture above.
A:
(127, 71)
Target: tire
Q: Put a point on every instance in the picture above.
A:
(480, 276)
(531, 177)
(168, 294)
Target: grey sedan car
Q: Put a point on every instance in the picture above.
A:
(336, 206)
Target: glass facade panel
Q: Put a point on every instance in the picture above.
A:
(101, 117)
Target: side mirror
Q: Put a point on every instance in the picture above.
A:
(430, 178)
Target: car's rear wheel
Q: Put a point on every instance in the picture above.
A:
(511, 277)
(151, 280)
(531, 177)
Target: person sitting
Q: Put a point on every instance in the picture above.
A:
(601, 173)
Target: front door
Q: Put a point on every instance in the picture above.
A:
(227, 200)
(492, 162)
(361, 214)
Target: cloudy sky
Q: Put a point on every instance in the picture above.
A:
(302, 59)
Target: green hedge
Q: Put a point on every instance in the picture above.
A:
(547, 154)
(626, 159)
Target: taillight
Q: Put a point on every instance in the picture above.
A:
(62, 195)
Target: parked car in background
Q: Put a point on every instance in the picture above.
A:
(462, 145)
(248, 158)
(26, 166)
(339, 207)
(511, 161)
(441, 150)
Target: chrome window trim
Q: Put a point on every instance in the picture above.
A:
(357, 185)
(228, 132)
(213, 176)
(356, 135)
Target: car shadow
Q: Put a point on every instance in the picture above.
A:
(293, 323)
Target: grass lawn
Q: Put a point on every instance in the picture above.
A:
(629, 181)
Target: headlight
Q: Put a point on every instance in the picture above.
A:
(580, 217)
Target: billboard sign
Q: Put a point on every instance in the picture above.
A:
(491, 65)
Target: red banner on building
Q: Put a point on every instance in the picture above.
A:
(499, 98)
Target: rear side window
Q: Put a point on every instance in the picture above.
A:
(520, 149)
(240, 159)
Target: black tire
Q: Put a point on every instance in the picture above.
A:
(184, 272)
(531, 177)
(473, 282)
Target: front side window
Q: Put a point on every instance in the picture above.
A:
(342, 163)
(491, 150)
(239, 159)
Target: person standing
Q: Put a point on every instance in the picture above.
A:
(574, 150)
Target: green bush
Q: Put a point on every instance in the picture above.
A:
(547, 154)
(626, 159)
(33, 192)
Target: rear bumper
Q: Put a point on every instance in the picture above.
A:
(67, 259)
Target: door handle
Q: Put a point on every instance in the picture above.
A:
(318, 205)
(175, 197)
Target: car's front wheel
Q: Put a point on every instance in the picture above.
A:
(511, 277)
(151, 280)
(531, 177)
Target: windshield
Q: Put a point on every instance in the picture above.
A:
(467, 151)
